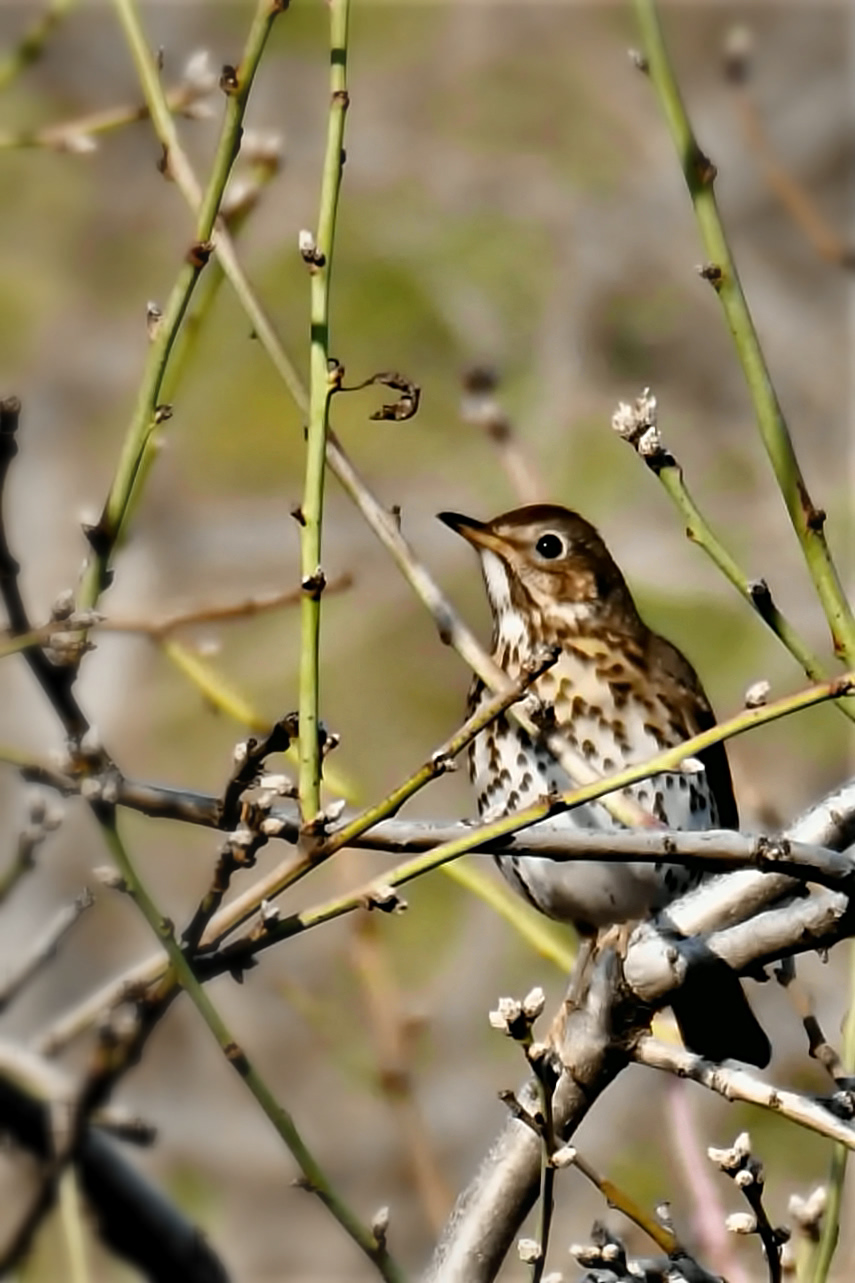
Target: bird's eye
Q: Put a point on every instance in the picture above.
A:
(550, 546)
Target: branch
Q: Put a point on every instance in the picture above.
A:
(321, 384)
(600, 1032)
(55, 680)
(149, 413)
(740, 1084)
(637, 425)
(44, 948)
(699, 173)
(31, 45)
(451, 629)
(315, 1178)
(133, 1217)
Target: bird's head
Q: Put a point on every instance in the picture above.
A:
(547, 557)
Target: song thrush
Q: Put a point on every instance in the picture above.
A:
(619, 694)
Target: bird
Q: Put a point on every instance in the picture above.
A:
(618, 694)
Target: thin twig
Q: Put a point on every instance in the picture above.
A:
(794, 197)
(639, 427)
(43, 948)
(480, 408)
(316, 1180)
(55, 680)
(149, 413)
(77, 136)
(31, 45)
(226, 612)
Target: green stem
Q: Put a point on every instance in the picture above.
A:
(699, 174)
(319, 399)
(837, 1175)
(313, 1174)
(479, 836)
(31, 46)
(148, 414)
(439, 762)
(701, 533)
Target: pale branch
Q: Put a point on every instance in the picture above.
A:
(43, 949)
(601, 1033)
(225, 612)
(149, 412)
(78, 136)
(734, 1082)
(480, 408)
(32, 43)
(794, 196)
(831, 821)
(488, 1213)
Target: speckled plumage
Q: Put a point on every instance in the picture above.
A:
(618, 692)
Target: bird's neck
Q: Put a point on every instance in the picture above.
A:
(523, 627)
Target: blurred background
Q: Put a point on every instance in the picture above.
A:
(511, 198)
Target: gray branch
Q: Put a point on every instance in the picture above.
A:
(602, 1033)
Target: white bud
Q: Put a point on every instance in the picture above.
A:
(199, 74)
(79, 144)
(63, 605)
(741, 1223)
(306, 243)
(757, 694)
(506, 1014)
(380, 1224)
(262, 146)
(529, 1251)
(91, 744)
(270, 913)
(271, 827)
(533, 1003)
(564, 1157)
(808, 1212)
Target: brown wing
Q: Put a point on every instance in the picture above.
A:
(676, 674)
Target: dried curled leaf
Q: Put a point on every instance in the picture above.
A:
(406, 405)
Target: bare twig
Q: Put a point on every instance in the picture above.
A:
(31, 45)
(794, 196)
(392, 1035)
(44, 948)
(56, 681)
(480, 408)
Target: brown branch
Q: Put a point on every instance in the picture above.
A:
(480, 408)
(794, 197)
(55, 680)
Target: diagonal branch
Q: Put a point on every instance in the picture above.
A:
(699, 172)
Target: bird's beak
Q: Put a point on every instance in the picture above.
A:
(478, 533)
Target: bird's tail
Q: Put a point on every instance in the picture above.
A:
(714, 1015)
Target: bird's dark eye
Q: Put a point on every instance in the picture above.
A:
(550, 546)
